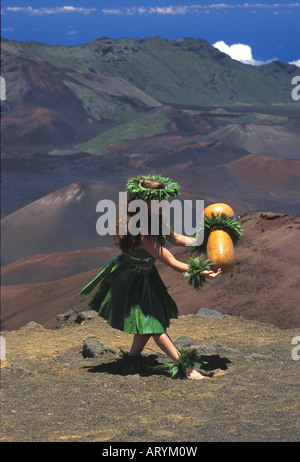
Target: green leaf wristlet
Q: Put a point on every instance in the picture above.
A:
(196, 266)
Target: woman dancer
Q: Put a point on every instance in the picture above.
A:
(131, 295)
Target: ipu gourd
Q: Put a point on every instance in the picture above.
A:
(220, 248)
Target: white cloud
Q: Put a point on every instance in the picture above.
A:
(147, 10)
(195, 9)
(296, 63)
(72, 32)
(7, 29)
(162, 10)
(42, 11)
(112, 11)
(171, 9)
(240, 52)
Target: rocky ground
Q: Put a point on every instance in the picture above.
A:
(52, 393)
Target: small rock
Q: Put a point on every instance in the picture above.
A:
(32, 325)
(133, 381)
(272, 215)
(185, 342)
(92, 349)
(67, 318)
(18, 369)
(259, 357)
(208, 312)
(73, 316)
(200, 427)
(86, 315)
(110, 350)
(90, 314)
(80, 318)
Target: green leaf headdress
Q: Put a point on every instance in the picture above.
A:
(168, 188)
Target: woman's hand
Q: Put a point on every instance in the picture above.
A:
(209, 274)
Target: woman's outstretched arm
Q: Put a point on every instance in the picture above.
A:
(180, 239)
(164, 255)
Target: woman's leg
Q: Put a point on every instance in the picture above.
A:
(138, 343)
(167, 346)
(131, 360)
(162, 340)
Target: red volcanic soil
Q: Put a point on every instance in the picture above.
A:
(50, 112)
(264, 284)
(251, 174)
(217, 166)
(35, 126)
(266, 172)
(259, 181)
(51, 267)
(278, 140)
(39, 302)
(62, 221)
(155, 143)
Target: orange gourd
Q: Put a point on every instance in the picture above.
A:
(220, 248)
(218, 208)
(220, 251)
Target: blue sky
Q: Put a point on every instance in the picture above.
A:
(252, 32)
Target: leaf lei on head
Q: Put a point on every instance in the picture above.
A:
(136, 191)
(196, 266)
(220, 221)
(178, 369)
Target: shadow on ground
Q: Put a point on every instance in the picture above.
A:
(148, 365)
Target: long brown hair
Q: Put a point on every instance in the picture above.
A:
(128, 242)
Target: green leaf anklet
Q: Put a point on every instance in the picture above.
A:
(187, 361)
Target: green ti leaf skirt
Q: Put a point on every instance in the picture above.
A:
(131, 295)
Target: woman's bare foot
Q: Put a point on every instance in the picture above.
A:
(194, 375)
